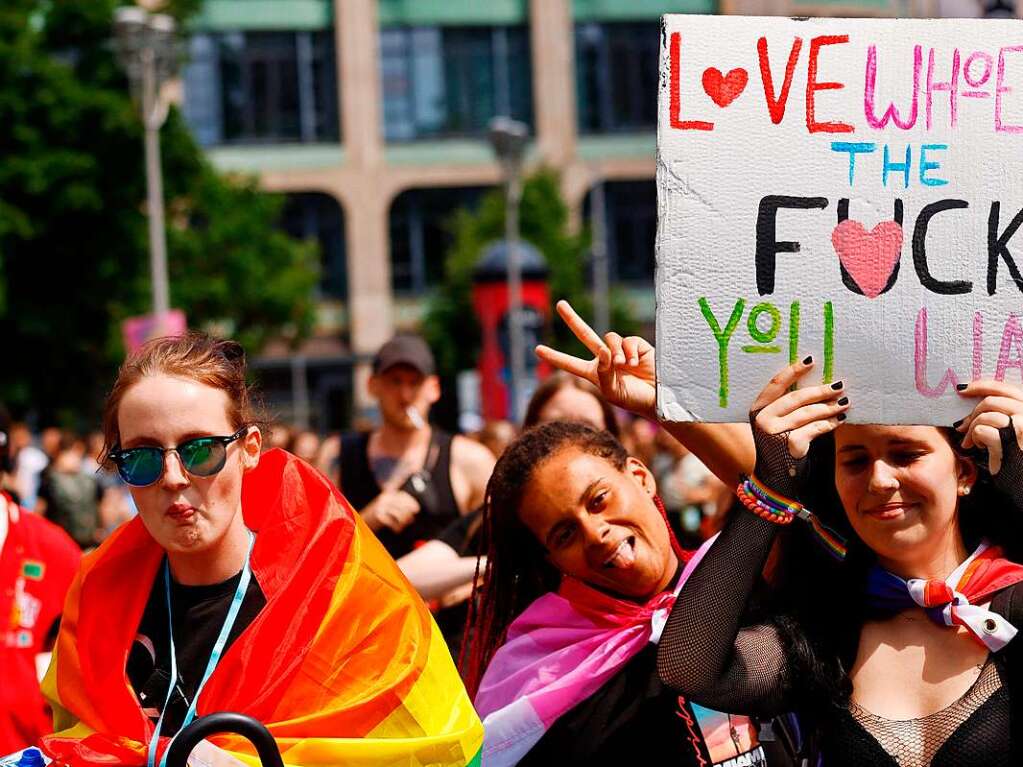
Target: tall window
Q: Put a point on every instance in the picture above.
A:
(318, 217)
(261, 87)
(421, 234)
(616, 76)
(630, 209)
(450, 81)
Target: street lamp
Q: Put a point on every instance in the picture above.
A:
(147, 48)
(508, 138)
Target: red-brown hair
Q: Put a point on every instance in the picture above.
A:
(198, 356)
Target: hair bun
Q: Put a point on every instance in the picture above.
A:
(233, 352)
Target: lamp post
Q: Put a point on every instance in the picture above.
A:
(147, 48)
(508, 138)
(601, 271)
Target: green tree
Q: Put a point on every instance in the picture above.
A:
(73, 237)
(449, 323)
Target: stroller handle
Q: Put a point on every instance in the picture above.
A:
(215, 724)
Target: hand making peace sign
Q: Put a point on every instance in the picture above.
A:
(622, 368)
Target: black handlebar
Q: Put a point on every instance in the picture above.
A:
(216, 724)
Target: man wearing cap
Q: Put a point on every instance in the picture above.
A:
(37, 563)
(408, 479)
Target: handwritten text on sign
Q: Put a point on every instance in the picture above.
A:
(850, 189)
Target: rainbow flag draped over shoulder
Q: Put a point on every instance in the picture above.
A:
(344, 664)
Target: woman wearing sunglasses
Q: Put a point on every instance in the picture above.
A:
(246, 583)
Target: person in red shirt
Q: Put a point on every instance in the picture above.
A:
(37, 563)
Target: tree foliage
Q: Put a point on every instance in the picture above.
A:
(73, 230)
(449, 324)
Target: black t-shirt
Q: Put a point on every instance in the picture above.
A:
(634, 712)
(199, 613)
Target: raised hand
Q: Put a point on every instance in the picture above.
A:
(786, 422)
(996, 423)
(622, 368)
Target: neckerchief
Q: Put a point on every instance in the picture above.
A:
(955, 601)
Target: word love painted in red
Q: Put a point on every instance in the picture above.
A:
(724, 89)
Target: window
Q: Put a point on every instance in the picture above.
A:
(262, 87)
(630, 210)
(450, 81)
(420, 234)
(313, 216)
(616, 76)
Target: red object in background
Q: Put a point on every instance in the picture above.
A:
(37, 563)
(491, 299)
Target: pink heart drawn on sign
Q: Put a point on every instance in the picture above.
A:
(868, 257)
(724, 89)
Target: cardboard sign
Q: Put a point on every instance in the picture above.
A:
(850, 189)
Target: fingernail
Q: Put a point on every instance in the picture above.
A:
(842, 416)
(808, 360)
(837, 385)
(843, 401)
(958, 423)
(961, 387)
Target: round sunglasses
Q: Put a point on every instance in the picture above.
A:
(200, 457)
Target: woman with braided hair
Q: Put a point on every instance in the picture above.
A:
(894, 639)
(581, 571)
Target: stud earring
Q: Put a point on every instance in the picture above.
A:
(964, 490)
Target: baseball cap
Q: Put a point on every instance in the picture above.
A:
(405, 349)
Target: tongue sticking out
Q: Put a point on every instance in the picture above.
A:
(625, 556)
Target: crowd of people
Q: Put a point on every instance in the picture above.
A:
(562, 591)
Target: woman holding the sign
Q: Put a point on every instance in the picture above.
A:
(893, 639)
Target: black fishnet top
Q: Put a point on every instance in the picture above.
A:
(707, 654)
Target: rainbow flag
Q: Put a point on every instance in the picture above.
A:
(344, 664)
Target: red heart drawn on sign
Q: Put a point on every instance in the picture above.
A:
(868, 257)
(724, 89)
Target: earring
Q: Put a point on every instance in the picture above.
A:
(964, 490)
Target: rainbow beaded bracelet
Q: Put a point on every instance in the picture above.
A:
(779, 510)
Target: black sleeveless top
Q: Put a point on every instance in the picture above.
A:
(431, 486)
(706, 652)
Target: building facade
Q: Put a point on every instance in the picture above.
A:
(371, 115)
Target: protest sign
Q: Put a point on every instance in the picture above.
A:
(846, 188)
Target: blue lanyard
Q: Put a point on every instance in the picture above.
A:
(218, 650)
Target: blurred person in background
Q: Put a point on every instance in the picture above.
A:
(69, 496)
(278, 435)
(116, 505)
(328, 456)
(688, 489)
(496, 435)
(408, 479)
(37, 563)
(639, 436)
(563, 397)
(305, 443)
(29, 463)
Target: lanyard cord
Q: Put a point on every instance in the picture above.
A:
(218, 650)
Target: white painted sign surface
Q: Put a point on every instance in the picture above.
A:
(845, 188)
